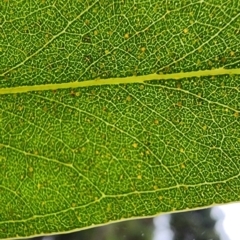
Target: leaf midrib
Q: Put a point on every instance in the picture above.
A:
(124, 80)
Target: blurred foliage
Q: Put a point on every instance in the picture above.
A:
(197, 225)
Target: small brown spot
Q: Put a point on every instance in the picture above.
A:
(223, 60)
(236, 114)
(179, 104)
(72, 93)
(86, 38)
(88, 58)
(179, 85)
(166, 69)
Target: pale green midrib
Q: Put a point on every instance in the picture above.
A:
(124, 80)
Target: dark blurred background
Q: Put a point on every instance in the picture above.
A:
(193, 225)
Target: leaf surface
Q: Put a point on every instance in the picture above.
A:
(112, 110)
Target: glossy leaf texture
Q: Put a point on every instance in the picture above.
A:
(81, 157)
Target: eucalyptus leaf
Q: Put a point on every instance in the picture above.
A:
(113, 110)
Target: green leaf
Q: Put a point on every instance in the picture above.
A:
(112, 110)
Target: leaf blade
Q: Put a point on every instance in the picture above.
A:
(76, 157)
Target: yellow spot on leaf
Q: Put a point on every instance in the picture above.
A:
(108, 207)
(210, 63)
(198, 62)
(185, 30)
(179, 104)
(129, 98)
(126, 36)
(135, 145)
(20, 108)
(87, 22)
